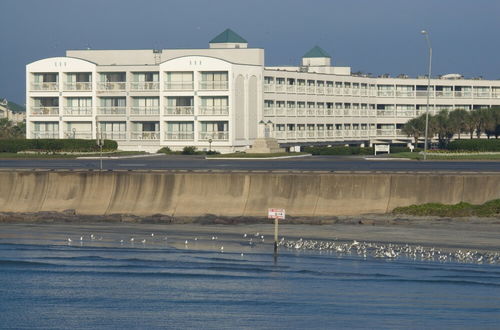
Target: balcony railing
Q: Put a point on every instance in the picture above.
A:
(45, 135)
(280, 88)
(463, 94)
(311, 89)
(145, 135)
(214, 111)
(405, 94)
(77, 111)
(78, 134)
(338, 112)
(329, 90)
(444, 94)
(301, 112)
(386, 132)
(114, 111)
(290, 112)
(214, 85)
(215, 136)
(268, 88)
(115, 86)
(405, 113)
(301, 89)
(179, 136)
(385, 113)
(78, 86)
(181, 110)
(269, 111)
(179, 85)
(290, 88)
(382, 93)
(45, 86)
(280, 111)
(145, 111)
(45, 111)
(145, 86)
(481, 94)
(114, 135)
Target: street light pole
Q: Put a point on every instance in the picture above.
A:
(426, 34)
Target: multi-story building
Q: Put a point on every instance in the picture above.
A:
(225, 97)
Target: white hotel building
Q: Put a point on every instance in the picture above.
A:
(226, 97)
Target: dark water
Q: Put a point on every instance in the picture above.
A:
(102, 283)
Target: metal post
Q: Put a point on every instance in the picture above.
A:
(276, 236)
(426, 34)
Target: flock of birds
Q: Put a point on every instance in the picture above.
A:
(393, 251)
(362, 249)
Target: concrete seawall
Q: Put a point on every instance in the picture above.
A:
(236, 193)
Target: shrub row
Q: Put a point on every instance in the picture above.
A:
(488, 209)
(475, 145)
(338, 150)
(55, 145)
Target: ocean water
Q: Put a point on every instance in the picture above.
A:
(101, 282)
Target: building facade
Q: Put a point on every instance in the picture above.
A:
(224, 97)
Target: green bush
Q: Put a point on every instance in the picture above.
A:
(397, 149)
(337, 151)
(189, 150)
(164, 150)
(55, 145)
(475, 145)
(488, 209)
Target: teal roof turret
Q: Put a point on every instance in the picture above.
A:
(228, 36)
(317, 51)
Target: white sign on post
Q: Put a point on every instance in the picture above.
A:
(382, 148)
(276, 214)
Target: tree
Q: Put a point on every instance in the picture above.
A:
(8, 130)
(492, 123)
(457, 120)
(415, 127)
(442, 126)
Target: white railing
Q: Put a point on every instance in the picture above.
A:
(311, 112)
(300, 134)
(280, 111)
(45, 86)
(268, 88)
(77, 111)
(405, 113)
(143, 135)
(290, 112)
(145, 111)
(311, 89)
(44, 111)
(179, 136)
(215, 136)
(445, 94)
(214, 111)
(320, 111)
(347, 112)
(45, 135)
(269, 111)
(301, 111)
(481, 94)
(386, 132)
(145, 86)
(383, 93)
(279, 134)
(329, 111)
(290, 135)
(347, 91)
(112, 86)
(78, 86)
(385, 113)
(320, 90)
(329, 90)
(320, 134)
(405, 94)
(112, 110)
(355, 112)
(280, 88)
(290, 88)
(214, 85)
(463, 94)
(181, 110)
(78, 134)
(114, 135)
(178, 85)
(301, 89)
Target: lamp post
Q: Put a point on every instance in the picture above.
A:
(426, 35)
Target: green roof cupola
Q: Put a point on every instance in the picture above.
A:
(228, 39)
(317, 56)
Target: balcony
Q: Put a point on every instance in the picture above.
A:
(405, 113)
(280, 88)
(290, 135)
(77, 111)
(269, 111)
(338, 112)
(112, 111)
(145, 86)
(405, 94)
(311, 89)
(381, 93)
(145, 111)
(215, 136)
(181, 110)
(280, 111)
(145, 135)
(386, 132)
(214, 111)
(320, 90)
(301, 89)
(44, 111)
(329, 90)
(279, 134)
(444, 94)
(311, 112)
(301, 112)
(114, 135)
(179, 136)
(214, 85)
(463, 94)
(45, 135)
(78, 134)
(385, 113)
(290, 112)
(45, 86)
(300, 134)
(78, 86)
(179, 85)
(117, 86)
(268, 88)
(481, 94)
(320, 111)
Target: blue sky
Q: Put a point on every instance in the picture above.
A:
(375, 36)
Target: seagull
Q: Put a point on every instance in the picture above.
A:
(81, 238)
(132, 239)
(241, 254)
(244, 235)
(144, 241)
(69, 240)
(222, 249)
(186, 242)
(92, 236)
(152, 234)
(196, 238)
(213, 238)
(121, 241)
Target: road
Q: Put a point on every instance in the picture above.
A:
(315, 163)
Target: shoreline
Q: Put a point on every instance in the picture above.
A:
(468, 232)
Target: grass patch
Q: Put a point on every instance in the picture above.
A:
(488, 209)
(245, 155)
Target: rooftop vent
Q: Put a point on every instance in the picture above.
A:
(452, 76)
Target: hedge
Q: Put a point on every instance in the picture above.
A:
(475, 145)
(338, 150)
(53, 145)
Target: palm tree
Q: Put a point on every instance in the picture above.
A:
(442, 126)
(415, 127)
